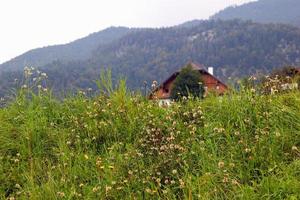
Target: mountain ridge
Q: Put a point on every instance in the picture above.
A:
(264, 11)
(79, 49)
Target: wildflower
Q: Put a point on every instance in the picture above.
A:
(24, 86)
(61, 194)
(174, 171)
(148, 190)
(111, 167)
(107, 188)
(86, 156)
(221, 164)
(234, 182)
(95, 189)
(294, 148)
(225, 180)
(181, 182)
(247, 150)
(237, 133)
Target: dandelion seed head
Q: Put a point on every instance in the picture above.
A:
(221, 164)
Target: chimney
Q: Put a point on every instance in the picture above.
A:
(211, 70)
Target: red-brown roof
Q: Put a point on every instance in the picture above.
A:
(195, 66)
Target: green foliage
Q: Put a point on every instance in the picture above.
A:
(121, 146)
(187, 83)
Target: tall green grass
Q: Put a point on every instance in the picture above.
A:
(122, 146)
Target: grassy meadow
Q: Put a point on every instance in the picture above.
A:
(123, 146)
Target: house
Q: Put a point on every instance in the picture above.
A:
(210, 82)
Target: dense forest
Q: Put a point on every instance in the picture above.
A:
(266, 11)
(235, 48)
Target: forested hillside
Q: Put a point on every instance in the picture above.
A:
(267, 11)
(235, 48)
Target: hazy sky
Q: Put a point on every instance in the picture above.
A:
(27, 24)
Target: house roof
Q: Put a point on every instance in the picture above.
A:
(198, 67)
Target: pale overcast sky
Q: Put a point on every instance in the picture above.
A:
(27, 24)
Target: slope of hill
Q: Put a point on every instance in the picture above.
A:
(266, 11)
(80, 49)
(235, 48)
(153, 54)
